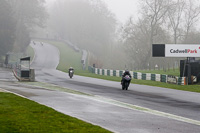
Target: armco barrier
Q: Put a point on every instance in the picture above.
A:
(148, 76)
(163, 78)
(108, 72)
(120, 73)
(144, 76)
(114, 73)
(181, 80)
(157, 77)
(137, 75)
(105, 72)
(117, 73)
(102, 72)
(153, 77)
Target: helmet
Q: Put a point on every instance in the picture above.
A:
(126, 71)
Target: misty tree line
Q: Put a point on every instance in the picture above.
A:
(86, 23)
(160, 22)
(17, 20)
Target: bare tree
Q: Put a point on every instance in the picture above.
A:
(192, 13)
(27, 14)
(175, 14)
(136, 39)
(7, 28)
(154, 12)
(150, 28)
(161, 21)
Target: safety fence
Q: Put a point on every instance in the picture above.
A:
(141, 76)
(16, 71)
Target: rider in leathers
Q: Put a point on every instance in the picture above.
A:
(71, 68)
(124, 74)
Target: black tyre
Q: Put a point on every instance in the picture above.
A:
(126, 85)
(123, 87)
(70, 75)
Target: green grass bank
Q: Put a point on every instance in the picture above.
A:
(20, 115)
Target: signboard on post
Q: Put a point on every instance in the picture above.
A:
(182, 50)
(176, 50)
(25, 67)
(189, 67)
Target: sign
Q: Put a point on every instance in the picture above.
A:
(194, 79)
(171, 79)
(182, 50)
(158, 50)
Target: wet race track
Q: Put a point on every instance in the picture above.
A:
(141, 109)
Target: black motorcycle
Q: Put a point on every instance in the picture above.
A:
(126, 82)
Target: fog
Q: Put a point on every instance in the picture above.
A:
(92, 27)
(95, 26)
(18, 18)
(123, 9)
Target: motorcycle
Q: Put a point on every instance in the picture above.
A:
(126, 82)
(71, 73)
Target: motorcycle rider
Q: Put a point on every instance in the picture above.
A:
(124, 74)
(71, 69)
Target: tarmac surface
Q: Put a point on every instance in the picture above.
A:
(141, 109)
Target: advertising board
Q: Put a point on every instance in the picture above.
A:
(182, 50)
(171, 79)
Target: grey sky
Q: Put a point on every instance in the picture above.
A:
(123, 9)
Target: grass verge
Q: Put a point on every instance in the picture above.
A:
(21, 115)
(174, 72)
(68, 57)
